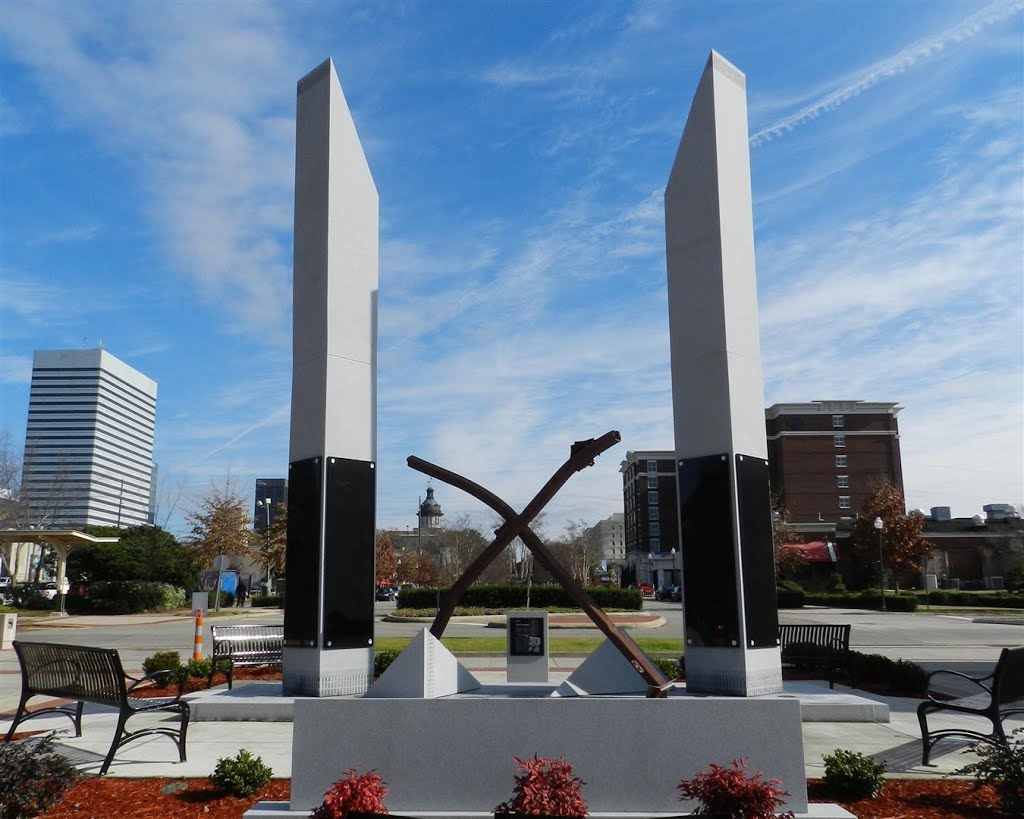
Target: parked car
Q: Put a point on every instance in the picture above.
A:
(646, 589)
(386, 593)
(48, 589)
(665, 592)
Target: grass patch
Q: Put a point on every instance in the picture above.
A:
(558, 645)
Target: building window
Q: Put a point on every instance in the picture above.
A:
(652, 466)
(652, 481)
(653, 513)
(652, 498)
(655, 544)
(839, 440)
(844, 501)
(841, 461)
(837, 421)
(843, 481)
(654, 527)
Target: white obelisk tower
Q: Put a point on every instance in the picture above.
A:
(332, 480)
(731, 617)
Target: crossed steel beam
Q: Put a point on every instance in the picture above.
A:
(582, 455)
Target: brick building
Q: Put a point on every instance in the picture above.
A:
(826, 457)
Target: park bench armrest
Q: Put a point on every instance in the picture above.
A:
(978, 681)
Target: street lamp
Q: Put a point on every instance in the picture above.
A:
(879, 525)
(265, 503)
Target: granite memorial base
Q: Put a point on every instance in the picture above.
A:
(442, 757)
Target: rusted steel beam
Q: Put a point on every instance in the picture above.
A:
(518, 525)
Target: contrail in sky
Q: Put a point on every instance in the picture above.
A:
(892, 66)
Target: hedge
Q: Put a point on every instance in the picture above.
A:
(511, 597)
(132, 597)
(900, 676)
(790, 594)
(904, 601)
(267, 601)
(994, 600)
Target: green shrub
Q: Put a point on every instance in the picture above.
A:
(850, 775)
(30, 596)
(1002, 767)
(382, 659)
(987, 600)
(901, 676)
(169, 661)
(868, 599)
(33, 777)
(790, 594)
(836, 584)
(267, 601)
(670, 668)
(242, 775)
(227, 600)
(132, 597)
(199, 669)
(514, 596)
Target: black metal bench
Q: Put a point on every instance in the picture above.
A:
(86, 674)
(1004, 697)
(248, 644)
(825, 646)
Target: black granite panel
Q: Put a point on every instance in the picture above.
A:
(757, 552)
(350, 518)
(709, 563)
(302, 555)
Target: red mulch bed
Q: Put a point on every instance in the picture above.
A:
(920, 799)
(110, 798)
(262, 672)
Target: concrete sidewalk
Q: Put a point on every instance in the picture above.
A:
(897, 742)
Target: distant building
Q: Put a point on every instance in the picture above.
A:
(269, 493)
(429, 512)
(982, 551)
(827, 457)
(609, 536)
(651, 516)
(89, 441)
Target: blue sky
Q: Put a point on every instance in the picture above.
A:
(520, 151)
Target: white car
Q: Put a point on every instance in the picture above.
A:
(48, 590)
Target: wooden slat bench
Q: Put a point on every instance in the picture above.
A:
(248, 644)
(1003, 698)
(87, 674)
(825, 646)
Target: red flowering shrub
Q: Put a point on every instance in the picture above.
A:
(730, 792)
(546, 787)
(354, 792)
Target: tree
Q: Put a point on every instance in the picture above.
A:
(581, 552)
(417, 567)
(142, 553)
(787, 561)
(902, 545)
(455, 547)
(220, 525)
(386, 560)
(272, 541)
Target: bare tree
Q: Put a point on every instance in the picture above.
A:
(455, 547)
(220, 525)
(582, 553)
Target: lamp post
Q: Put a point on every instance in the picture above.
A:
(265, 503)
(879, 525)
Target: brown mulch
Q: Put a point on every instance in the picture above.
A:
(262, 672)
(109, 798)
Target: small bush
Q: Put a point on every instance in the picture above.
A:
(267, 601)
(382, 659)
(898, 675)
(850, 775)
(730, 792)
(169, 661)
(1002, 767)
(546, 787)
(670, 668)
(836, 584)
(790, 594)
(33, 777)
(242, 775)
(198, 669)
(354, 792)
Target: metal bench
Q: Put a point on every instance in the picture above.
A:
(86, 674)
(1004, 697)
(818, 646)
(248, 644)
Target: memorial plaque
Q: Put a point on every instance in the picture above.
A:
(526, 636)
(760, 604)
(302, 554)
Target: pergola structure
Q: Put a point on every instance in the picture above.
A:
(61, 540)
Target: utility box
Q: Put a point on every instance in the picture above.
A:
(8, 630)
(527, 646)
(200, 602)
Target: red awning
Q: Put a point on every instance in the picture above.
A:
(817, 551)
